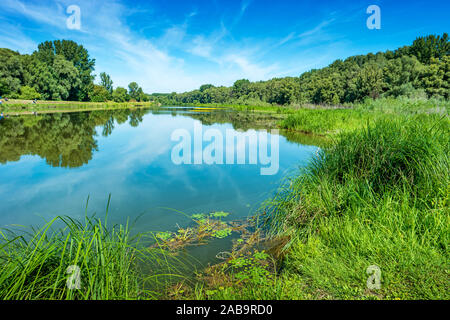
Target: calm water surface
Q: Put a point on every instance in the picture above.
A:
(50, 165)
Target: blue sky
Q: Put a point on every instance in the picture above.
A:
(172, 45)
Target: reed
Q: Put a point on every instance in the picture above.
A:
(113, 264)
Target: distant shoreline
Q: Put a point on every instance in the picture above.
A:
(26, 107)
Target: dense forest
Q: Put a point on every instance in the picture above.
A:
(59, 70)
(63, 70)
(419, 70)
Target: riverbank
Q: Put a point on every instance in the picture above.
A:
(368, 219)
(26, 107)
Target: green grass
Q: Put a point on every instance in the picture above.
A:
(377, 196)
(112, 263)
(331, 122)
(324, 121)
(68, 106)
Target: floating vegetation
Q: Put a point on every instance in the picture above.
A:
(219, 214)
(206, 227)
(222, 233)
(163, 235)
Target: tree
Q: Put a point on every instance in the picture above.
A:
(28, 93)
(399, 72)
(67, 78)
(135, 91)
(106, 82)
(205, 87)
(11, 71)
(99, 94)
(435, 78)
(369, 82)
(78, 55)
(120, 95)
(427, 48)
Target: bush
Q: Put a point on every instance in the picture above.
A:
(29, 93)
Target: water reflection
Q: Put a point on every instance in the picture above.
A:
(68, 140)
(64, 140)
(50, 165)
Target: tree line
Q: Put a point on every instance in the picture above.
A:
(59, 70)
(419, 70)
(63, 70)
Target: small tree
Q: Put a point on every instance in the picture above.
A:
(120, 95)
(29, 93)
(106, 82)
(135, 91)
(99, 94)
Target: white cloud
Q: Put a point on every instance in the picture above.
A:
(176, 60)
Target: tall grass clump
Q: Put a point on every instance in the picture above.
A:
(377, 196)
(37, 264)
(326, 121)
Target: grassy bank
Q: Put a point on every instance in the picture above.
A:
(325, 121)
(377, 196)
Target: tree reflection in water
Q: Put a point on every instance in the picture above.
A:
(68, 139)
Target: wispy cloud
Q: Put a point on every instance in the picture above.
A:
(48, 14)
(176, 58)
(19, 41)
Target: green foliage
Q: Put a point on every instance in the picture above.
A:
(223, 233)
(164, 235)
(408, 71)
(106, 82)
(430, 47)
(28, 93)
(35, 264)
(244, 276)
(11, 72)
(99, 94)
(58, 70)
(65, 140)
(78, 56)
(120, 95)
(134, 91)
(219, 214)
(435, 78)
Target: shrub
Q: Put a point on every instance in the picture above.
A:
(29, 93)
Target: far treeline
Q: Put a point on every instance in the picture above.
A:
(63, 70)
(59, 70)
(421, 70)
